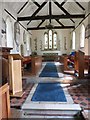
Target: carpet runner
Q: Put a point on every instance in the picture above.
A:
(52, 92)
(49, 70)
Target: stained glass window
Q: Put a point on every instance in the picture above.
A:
(50, 40)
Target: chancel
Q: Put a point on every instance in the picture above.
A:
(45, 59)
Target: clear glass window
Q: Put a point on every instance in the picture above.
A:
(82, 36)
(73, 41)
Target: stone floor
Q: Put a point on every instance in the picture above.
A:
(78, 89)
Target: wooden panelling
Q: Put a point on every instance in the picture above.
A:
(36, 63)
(15, 75)
(4, 102)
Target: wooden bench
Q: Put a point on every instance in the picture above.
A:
(35, 63)
(87, 63)
(79, 63)
(78, 60)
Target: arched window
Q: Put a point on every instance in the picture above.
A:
(46, 40)
(50, 40)
(55, 40)
(73, 40)
(82, 35)
(9, 33)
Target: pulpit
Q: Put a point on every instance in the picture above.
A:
(15, 75)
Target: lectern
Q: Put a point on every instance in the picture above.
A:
(15, 75)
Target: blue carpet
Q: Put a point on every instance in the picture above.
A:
(52, 92)
(49, 70)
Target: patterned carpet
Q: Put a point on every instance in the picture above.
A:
(81, 95)
(17, 102)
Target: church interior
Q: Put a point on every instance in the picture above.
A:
(45, 59)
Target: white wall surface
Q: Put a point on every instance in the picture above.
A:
(87, 41)
(61, 35)
(39, 36)
(5, 5)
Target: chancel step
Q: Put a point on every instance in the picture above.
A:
(48, 108)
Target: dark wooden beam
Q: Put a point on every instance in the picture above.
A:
(55, 27)
(10, 14)
(79, 5)
(63, 2)
(22, 7)
(72, 20)
(59, 22)
(82, 21)
(15, 19)
(42, 5)
(50, 11)
(29, 22)
(52, 17)
(60, 6)
(65, 11)
(35, 3)
(40, 24)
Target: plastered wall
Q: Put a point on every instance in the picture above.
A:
(62, 36)
(86, 48)
(26, 45)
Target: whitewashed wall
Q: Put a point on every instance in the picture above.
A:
(39, 36)
(87, 41)
(61, 35)
(5, 5)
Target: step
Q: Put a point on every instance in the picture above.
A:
(48, 108)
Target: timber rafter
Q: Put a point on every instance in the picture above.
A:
(55, 27)
(50, 16)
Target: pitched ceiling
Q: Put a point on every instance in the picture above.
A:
(37, 14)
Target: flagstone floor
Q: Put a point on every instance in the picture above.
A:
(78, 89)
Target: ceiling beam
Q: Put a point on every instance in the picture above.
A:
(72, 20)
(79, 5)
(41, 6)
(59, 22)
(15, 19)
(52, 17)
(22, 7)
(40, 24)
(55, 27)
(60, 6)
(35, 3)
(63, 2)
(65, 11)
(50, 11)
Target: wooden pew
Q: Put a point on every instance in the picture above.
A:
(79, 63)
(36, 63)
(4, 102)
(66, 63)
(87, 63)
(78, 60)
